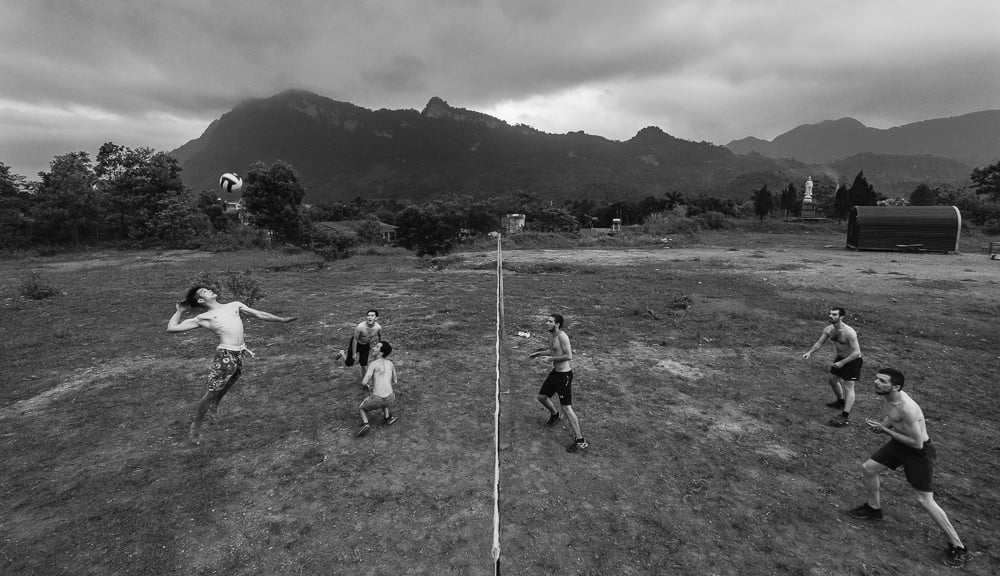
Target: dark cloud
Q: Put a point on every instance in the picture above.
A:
(156, 73)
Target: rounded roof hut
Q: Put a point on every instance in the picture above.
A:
(904, 228)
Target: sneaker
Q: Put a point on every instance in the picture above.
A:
(578, 445)
(839, 421)
(364, 430)
(865, 512)
(838, 403)
(956, 557)
(390, 420)
(553, 420)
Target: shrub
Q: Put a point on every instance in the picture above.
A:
(540, 240)
(666, 223)
(713, 221)
(37, 288)
(332, 245)
(236, 238)
(241, 285)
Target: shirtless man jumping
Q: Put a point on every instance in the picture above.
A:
(846, 367)
(225, 322)
(560, 380)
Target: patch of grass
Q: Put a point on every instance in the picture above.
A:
(536, 268)
(35, 287)
(709, 450)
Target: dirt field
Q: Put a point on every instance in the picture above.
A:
(710, 452)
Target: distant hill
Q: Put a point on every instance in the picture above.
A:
(971, 139)
(342, 151)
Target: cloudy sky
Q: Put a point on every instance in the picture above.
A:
(75, 73)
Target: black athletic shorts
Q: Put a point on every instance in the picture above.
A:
(917, 464)
(560, 383)
(363, 351)
(849, 371)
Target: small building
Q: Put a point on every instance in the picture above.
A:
(904, 228)
(513, 223)
(238, 209)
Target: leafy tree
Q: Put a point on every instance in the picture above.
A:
(552, 220)
(159, 210)
(214, 208)
(975, 208)
(15, 209)
(653, 205)
(427, 229)
(629, 212)
(674, 199)
(790, 201)
(147, 197)
(922, 195)
(702, 204)
(273, 199)
(861, 192)
(583, 210)
(11, 184)
(175, 222)
(986, 181)
(68, 207)
(762, 202)
(371, 231)
(479, 219)
(842, 203)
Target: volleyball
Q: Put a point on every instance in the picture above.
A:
(230, 182)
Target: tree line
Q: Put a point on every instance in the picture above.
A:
(136, 197)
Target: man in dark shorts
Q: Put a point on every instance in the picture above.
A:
(560, 380)
(365, 333)
(846, 367)
(909, 446)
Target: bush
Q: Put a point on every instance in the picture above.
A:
(668, 223)
(540, 240)
(990, 227)
(37, 288)
(236, 238)
(331, 245)
(241, 285)
(713, 221)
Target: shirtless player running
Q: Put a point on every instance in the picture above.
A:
(560, 380)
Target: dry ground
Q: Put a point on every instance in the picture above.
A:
(709, 449)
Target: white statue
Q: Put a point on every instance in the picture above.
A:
(809, 191)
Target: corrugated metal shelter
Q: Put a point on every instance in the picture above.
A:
(904, 228)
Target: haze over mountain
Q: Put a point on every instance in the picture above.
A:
(342, 151)
(973, 139)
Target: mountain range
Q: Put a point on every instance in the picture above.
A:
(973, 139)
(342, 151)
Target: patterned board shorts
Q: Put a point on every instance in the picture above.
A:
(226, 369)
